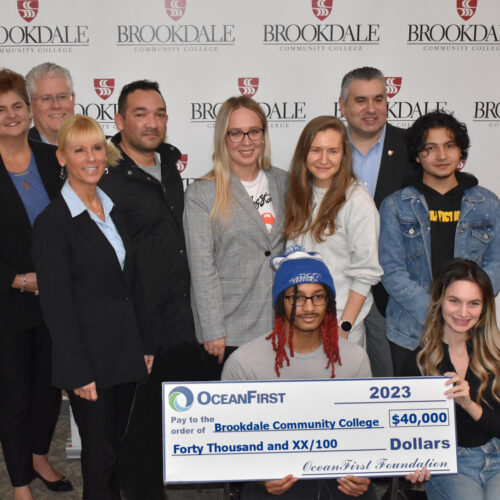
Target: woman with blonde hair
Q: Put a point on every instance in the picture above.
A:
(92, 302)
(233, 220)
(461, 340)
(328, 211)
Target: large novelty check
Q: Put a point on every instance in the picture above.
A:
(235, 431)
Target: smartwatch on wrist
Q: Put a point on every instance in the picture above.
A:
(346, 326)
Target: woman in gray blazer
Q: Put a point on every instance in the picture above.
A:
(233, 220)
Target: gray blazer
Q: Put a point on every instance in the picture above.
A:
(231, 274)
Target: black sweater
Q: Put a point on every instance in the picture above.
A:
(469, 432)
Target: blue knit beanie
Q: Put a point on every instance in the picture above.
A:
(296, 266)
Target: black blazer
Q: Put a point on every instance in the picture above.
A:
(21, 311)
(395, 171)
(94, 310)
(395, 167)
(34, 135)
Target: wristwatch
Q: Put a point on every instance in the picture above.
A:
(346, 326)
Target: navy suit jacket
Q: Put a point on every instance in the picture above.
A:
(94, 310)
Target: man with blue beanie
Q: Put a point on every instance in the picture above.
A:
(304, 344)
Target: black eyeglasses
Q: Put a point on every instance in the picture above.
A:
(318, 300)
(236, 135)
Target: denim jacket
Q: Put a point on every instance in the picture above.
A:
(405, 253)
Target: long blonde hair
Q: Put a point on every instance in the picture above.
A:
(299, 200)
(221, 172)
(484, 336)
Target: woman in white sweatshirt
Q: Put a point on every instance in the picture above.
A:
(330, 212)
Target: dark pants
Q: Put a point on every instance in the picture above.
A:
(141, 460)
(29, 405)
(399, 355)
(102, 425)
(377, 345)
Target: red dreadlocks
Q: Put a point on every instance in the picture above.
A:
(329, 335)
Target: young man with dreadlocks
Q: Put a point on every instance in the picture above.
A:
(304, 344)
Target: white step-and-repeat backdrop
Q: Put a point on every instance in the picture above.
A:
(290, 55)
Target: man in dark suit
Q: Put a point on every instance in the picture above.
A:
(380, 161)
(52, 100)
(147, 187)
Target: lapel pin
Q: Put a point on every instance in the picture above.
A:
(390, 152)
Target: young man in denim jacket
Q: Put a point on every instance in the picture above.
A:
(441, 214)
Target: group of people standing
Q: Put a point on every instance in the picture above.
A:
(123, 271)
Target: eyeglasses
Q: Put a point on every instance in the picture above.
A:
(317, 300)
(237, 135)
(62, 98)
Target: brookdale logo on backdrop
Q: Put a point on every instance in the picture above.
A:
(402, 113)
(456, 37)
(33, 37)
(182, 164)
(316, 37)
(487, 112)
(279, 113)
(102, 111)
(175, 37)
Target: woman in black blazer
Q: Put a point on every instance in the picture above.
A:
(92, 302)
(29, 405)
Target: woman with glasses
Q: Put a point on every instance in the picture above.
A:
(233, 220)
(29, 406)
(461, 340)
(330, 212)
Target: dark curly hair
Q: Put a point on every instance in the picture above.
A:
(329, 331)
(416, 135)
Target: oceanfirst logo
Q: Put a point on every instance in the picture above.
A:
(244, 398)
(180, 398)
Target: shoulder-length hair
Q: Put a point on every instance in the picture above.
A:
(484, 336)
(299, 201)
(221, 172)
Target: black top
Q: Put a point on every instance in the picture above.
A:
(153, 213)
(444, 214)
(469, 432)
(34, 135)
